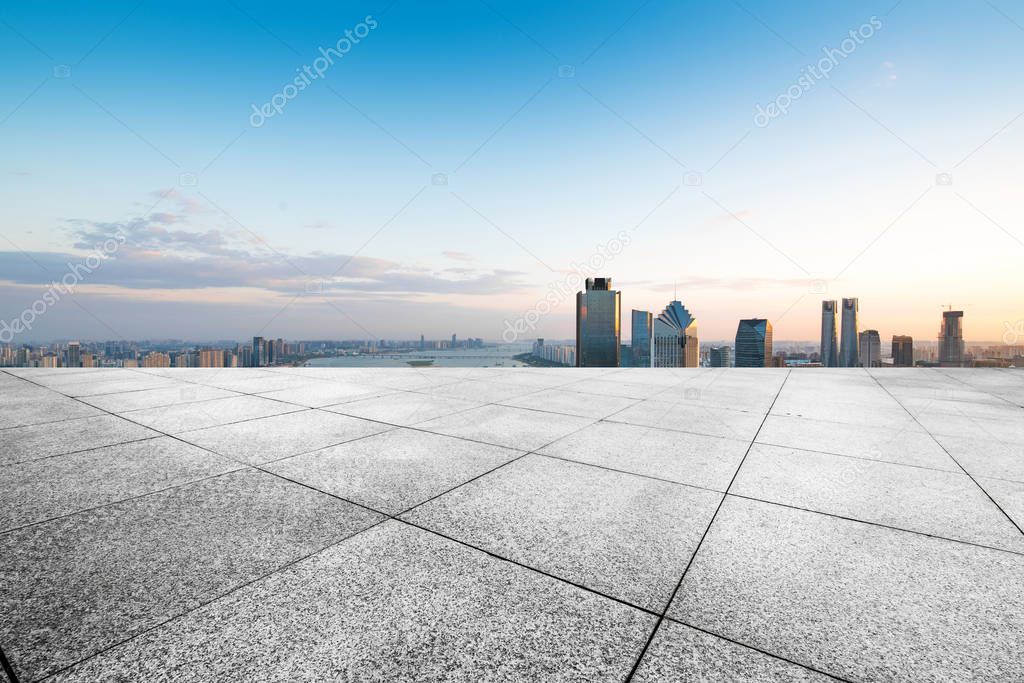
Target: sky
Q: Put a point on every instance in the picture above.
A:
(458, 167)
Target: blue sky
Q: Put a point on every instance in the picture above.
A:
(557, 126)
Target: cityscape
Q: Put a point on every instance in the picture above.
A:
(512, 341)
(668, 340)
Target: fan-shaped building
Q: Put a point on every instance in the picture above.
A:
(674, 341)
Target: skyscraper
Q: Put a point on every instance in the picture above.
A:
(259, 352)
(720, 357)
(902, 351)
(829, 342)
(598, 324)
(848, 356)
(870, 349)
(753, 343)
(674, 336)
(951, 339)
(74, 355)
(641, 338)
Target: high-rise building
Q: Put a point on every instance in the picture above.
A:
(848, 342)
(641, 339)
(829, 341)
(259, 352)
(155, 359)
(753, 343)
(211, 358)
(674, 338)
(720, 357)
(598, 324)
(74, 355)
(951, 339)
(870, 349)
(902, 351)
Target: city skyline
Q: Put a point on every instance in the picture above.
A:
(465, 202)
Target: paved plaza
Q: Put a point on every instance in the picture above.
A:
(512, 524)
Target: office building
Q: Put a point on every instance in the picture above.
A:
(829, 340)
(720, 357)
(74, 355)
(753, 343)
(951, 339)
(849, 341)
(902, 351)
(598, 324)
(870, 349)
(640, 344)
(259, 352)
(674, 338)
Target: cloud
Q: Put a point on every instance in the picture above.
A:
(159, 252)
(457, 255)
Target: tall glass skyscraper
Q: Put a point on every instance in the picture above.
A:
(675, 342)
(598, 325)
(951, 339)
(753, 343)
(870, 349)
(902, 351)
(829, 342)
(641, 341)
(848, 351)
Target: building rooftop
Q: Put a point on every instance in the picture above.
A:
(530, 524)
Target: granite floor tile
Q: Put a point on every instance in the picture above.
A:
(707, 461)
(75, 586)
(1009, 495)
(127, 381)
(679, 654)
(201, 414)
(22, 444)
(395, 470)
(391, 604)
(625, 536)
(480, 391)
(985, 458)
(859, 601)
(691, 416)
(908, 444)
(571, 403)
(41, 406)
(946, 504)
(41, 489)
(280, 436)
(325, 393)
(504, 426)
(404, 408)
(181, 392)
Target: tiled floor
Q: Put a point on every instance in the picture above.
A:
(512, 524)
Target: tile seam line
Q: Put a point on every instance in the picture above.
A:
(693, 555)
(974, 388)
(5, 665)
(757, 649)
(982, 488)
(80, 451)
(876, 524)
(855, 457)
(528, 453)
(282, 568)
(241, 466)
